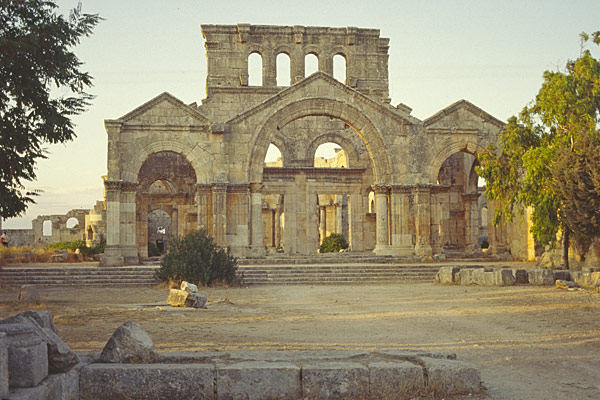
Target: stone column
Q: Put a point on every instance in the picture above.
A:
(175, 222)
(112, 251)
(290, 226)
(422, 194)
(257, 248)
(356, 217)
(202, 202)
(381, 228)
(128, 223)
(219, 214)
(401, 234)
(322, 223)
(471, 221)
(338, 216)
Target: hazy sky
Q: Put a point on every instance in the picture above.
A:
(491, 53)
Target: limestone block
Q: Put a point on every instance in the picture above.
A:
(541, 277)
(27, 355)
(562, 284)
(521, 276)
(181, 298)
(129, 344)
(64, 386)
(465, 276)
(42, 317)
(189, 287)
(451, 377)
(478, 276)
(562, 275)
(29, 294)
(147, 381)
(447, 275)
(504, 277)
(32, 393)
(343, 380)
(489, 278)
(395, 380)
(255, 380)
(588, 280)
(3, 366)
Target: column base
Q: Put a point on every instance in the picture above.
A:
(402, 250)
(116, 256)
(257, 251)
(423, 250)
(384, 250)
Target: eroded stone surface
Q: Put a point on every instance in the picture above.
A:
(29, 294)
(335, 380)
(129, 344)
(3, 366)
(449, 377)
(256, 380)
(395, 380)
(27, 355)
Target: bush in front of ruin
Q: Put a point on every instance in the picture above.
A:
(333, 243)
(196, 258)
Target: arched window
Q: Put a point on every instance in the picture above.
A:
(47, 228)
(273, 157)
(311, 64)
(339, 67)
(330, 155)
(72, 223)
(255, 77)
(284, 74)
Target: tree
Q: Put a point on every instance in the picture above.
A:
(41, 89)
(549, 157)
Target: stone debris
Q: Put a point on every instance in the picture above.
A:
(562, 284)
(187, 296)
(29, 294)
(129, 344)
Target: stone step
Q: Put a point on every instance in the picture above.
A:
(84, 276)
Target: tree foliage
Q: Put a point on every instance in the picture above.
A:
(41, 89)
(549, 157)
(196, 258)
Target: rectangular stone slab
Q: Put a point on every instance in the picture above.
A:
(256, 380)
(332, 381)
(451, 377)
(147, 381)
(395, 380)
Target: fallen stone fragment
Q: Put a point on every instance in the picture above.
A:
(27, 355)
(189, 287)
(562, 284)
(181, 298)
(42, 317)
(129, 344)
(447, 275)
(29, 294)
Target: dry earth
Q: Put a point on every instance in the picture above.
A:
(528, 342)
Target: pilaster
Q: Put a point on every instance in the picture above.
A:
(257, 248)
(382, 244)
(422, 194)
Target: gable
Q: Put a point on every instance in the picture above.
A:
(461, 116)
(164, 110)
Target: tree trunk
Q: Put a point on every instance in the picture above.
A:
(565, 247)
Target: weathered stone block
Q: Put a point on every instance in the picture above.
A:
(27, 355)
(42, 317)
(129, 344)
(33, 393)
(147, 381)
(541, 277)
(189, 287)
(521, 276)
(465, 276)
(451, 377)
(588, 280)
(562, 284)
(335, 381)
(255, 380)
(395, 380)
(64, 386)
(563, 275)
(504, 277)
(447, 275)
(29, 294)
(3, 366)
(489, 278)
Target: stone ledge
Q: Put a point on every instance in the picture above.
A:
(283, 375)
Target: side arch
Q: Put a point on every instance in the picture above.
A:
(353, 158)
(362, 125)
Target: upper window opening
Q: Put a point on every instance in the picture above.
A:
(284, 75)
(339, 68)
(311, 64)
(255, 77)
(273, 157)
(72, 223)
(47, 228)
(330, 155)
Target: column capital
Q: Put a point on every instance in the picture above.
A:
(256, 187)
(219, 187)
(203, 187)
(237, 188)
(401, 188)
(470, 196)
(380, 189)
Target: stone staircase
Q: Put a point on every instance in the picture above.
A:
(80, 276)
(335, 273)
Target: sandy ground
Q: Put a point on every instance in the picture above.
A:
(528, 342)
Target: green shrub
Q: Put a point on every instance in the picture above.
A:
(196, 258)
(333, 243)
(79, 244)
(153, 250)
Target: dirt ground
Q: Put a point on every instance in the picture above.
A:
(528, 342)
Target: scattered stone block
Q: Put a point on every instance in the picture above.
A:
(504, 277)
(182, 298)
(541, 277)
(395, 380)
(482, 276)
(465, 276)
(129, 344)
(3, 366)
(562, 275)
(147, 381)
(447, 275)
(256, 380)
(521, 276)
(60, 356)
(562, 284)
(189, 287)
(29, 294)
(32, 393)
(42, 317)
(342, 380)
(588, 280)
(27, 355)
(451, 377)
(64, 386)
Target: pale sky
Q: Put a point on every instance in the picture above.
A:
(491, 53)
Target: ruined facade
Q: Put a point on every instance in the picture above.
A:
(404, 187)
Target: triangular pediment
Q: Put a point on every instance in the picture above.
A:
(320, 85)
(164, 109)
(461, 115)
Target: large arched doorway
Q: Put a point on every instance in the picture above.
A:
(165, 200)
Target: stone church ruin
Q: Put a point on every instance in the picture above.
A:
(398, 186)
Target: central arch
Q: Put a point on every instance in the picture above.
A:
(355, 118)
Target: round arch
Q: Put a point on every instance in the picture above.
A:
(195, 156)
(353, 117)
(448, 150)
(351, 153)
